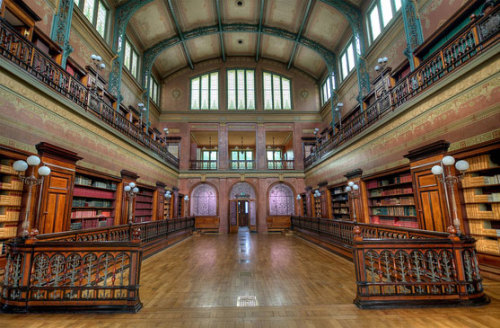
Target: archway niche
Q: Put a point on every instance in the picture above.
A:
(242, 207)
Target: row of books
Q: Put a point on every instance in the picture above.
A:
(339, 199)
(93, 223)
(483, 211)
(480, 181)
(89, 214)
(476, 196)
(388, 181)
(139, 206)
(480, 162)
(397, 222)
(143, 212)
(341, 211)
(389, 192)
(396, 211)
(140, 198)
(93, 193)
(394, 201)
(86, 181)
(81, 202)
(336, 191)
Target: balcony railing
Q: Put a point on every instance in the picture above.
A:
(400, 267)
(203, 165)
(242, 165)
(480, 34)
(18, 50)
(280, 165)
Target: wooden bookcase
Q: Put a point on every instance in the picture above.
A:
(93, 202)
(481, 198)
(339, 203)
(167, 208)
(11, 190)
(316, 206)
(180, 205)
(144, 205)
(391, 200)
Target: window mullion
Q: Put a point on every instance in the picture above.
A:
(281, 92)
(245, 89)
(96, 9)
(381, 17)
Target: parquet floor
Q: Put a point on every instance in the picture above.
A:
(257, 280)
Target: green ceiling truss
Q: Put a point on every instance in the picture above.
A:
(179, 33)
(221, 35)
(302, 25)
(259, 35)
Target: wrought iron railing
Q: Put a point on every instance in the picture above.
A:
(203, 165)
(402, 267)
(242, 165)
(280, 165)
(475, 38)
(90, 270)
(15, 48)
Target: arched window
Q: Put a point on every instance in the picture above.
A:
(281, 200)
(205, 91)
(277, 91)
(204, 200)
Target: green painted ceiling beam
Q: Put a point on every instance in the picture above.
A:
(179, 31)
(261, 18)
(296, 44)
(221, 35)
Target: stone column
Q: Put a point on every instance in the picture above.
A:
(260, 147)
(223, 147)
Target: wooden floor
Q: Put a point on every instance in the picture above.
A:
(257, 280)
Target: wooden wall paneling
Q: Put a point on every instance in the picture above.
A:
(159, 202)
(57, 192)
(329, 211)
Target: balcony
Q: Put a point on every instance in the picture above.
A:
(468, 43)
(15, 48)
(203, 165)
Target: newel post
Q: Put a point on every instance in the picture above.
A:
(359, 267)
(457, 247)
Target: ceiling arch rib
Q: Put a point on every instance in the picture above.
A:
(299, 33)
(221, 36)
(179, 32)
(259, 35)
(151, 53)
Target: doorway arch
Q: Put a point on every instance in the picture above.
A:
(204, 200)
(242, 207)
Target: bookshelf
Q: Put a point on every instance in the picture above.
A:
(11, 189)
(180, 206)
(317, 206)
(144, 205)
(391, 200)
(166, 208)
(481, 198)
(93, 202)
(303, 200)
(339, 203)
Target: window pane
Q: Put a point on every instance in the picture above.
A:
(249, 155)
(386, 11)
(102, 14)
(88, 10)
(374, 23)
(250, 89)
(241, 88)
(231, 86)
(128, 50)
(268, 101)
(287, 97)
(214, 90)
(234, 155)
(135, 62)
(77, 2)
(397, 4)
(195, 93)
(269, 155)
(213, 156)
(333, 81)
(350, 56)
(345, 71)
(276, 92)
(204, 92)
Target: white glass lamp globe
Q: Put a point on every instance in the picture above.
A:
(43, 171)
(93, 57)
(348, 188)
(132, 184)
(437, 170)
(462, 165)
(448, 160)
(102, 66)
(20, 166)
(33, 160)
(135, 190)
(127, 188)
(350, 183)
(98, 58)
(186, 198)
(299, 197)
(355, 187)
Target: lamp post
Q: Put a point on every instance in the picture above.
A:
(352, 190)
(444, 176)
(186, 200)
(317, 194)
(382, 64)
(131, 190)
(168, 196)
(43, 171)
(141, 110)
(316, 135)
(165, 130)
(338, 109)
(298, 203)
(99, 65)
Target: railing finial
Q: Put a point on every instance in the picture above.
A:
(136, 235)
(357, 233)
(33, 233)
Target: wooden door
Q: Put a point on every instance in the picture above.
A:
(243, 210)
(56, 204)
(430, 201)
(233, 216)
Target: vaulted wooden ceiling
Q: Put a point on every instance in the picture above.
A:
(163, 19)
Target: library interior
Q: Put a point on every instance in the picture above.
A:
(250, 163)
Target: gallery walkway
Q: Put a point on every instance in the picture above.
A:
(257, 280)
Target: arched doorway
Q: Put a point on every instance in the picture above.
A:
(204, 200)
(242, 207)
(281, 200)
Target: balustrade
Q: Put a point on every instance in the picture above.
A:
(23, 53)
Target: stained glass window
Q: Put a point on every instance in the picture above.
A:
(326, 89)
(277, 91)
(96, 12)
(347, 60)
(205, 91)
(241, 89)
(131, 59)
(380, 14)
